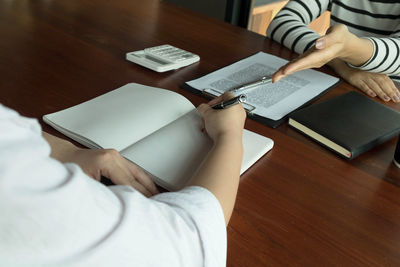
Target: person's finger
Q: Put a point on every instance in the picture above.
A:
(225, 96)
(389, 88)
(366, 89)
(203, 109)
(122, 174)
(214, 101)
(377, 89)
(310, 59)
(320, 43)
(113, 168)
(314, 59)
(327, 40)
(278, 75)
(97, 177)
(397, 94)
(304, 61)
(92, 173)
(124, 177)
(139, 187)
(142, 177)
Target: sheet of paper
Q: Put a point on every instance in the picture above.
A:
(174, 153)
(272, 101)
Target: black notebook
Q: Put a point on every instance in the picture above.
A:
(349, 124)
(267, 103)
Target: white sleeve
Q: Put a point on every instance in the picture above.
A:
(197, 204)
(52, 214)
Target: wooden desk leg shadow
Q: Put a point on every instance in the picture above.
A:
(261, 16)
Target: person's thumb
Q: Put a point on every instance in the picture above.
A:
(203, 108)
(320, 43)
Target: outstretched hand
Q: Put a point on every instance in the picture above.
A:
(326, 48)
(102, 162)
(337, 48)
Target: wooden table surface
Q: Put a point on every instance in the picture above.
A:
(300, 205)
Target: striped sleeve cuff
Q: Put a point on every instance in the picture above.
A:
(385, 58)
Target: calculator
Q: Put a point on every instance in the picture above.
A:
(162, 58)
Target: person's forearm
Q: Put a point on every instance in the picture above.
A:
(220, 172)
(59, 147)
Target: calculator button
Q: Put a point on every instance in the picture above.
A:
(179, 59)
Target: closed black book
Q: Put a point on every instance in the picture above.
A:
(349, 124)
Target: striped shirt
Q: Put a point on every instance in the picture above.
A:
(377, 20)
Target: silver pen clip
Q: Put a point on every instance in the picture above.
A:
(247, 86)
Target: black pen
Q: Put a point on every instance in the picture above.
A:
(231, 102)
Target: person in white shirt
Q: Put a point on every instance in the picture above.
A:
(54, 214)
(362, 45)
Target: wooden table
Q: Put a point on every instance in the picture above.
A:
(300, 205)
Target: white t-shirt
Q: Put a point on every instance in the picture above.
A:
(52, 214)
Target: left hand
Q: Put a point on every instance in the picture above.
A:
(102, 162)
(109, 163)
(372, 84)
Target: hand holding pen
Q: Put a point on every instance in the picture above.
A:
(231, 102)
(227, 121)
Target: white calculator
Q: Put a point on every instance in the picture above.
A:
(162, 58)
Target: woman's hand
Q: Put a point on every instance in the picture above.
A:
(372, 84)
(338, 43)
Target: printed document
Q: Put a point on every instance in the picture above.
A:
(271, 100)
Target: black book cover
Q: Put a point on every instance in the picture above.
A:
(350, 121)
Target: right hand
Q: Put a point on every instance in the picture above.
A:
(338, 43)
(326, 48)
(372, 84)
(225, 122)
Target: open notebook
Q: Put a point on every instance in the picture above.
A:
(157, 129)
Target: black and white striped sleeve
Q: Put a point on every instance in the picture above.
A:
(290, 25)
(386, 56)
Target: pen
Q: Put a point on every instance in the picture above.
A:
(231, 102)
(263, 80)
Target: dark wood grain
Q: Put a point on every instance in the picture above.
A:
(300, 205)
